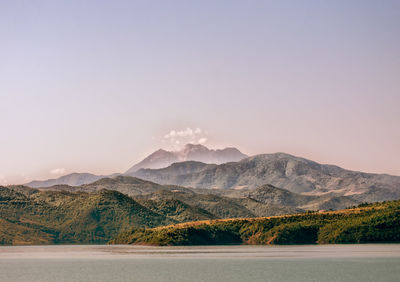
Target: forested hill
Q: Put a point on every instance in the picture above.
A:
(57, 215)
(379, 222)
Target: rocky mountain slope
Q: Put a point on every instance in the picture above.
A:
(280, 170)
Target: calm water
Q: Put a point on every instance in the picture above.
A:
(227, 263)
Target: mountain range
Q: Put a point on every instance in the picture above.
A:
(281, 170)
(159, 159)
(239, 176)
(96, 212)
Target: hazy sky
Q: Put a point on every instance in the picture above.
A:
(95, 86)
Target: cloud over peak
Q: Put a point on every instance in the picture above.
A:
(178, 138)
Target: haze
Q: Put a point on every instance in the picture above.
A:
(95, 86)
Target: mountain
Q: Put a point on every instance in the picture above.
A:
(191, 152)
(159, 159)
(292, 173)
(73, 179)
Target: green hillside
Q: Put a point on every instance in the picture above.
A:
(63, 217)
(32, 216)
(379, 222)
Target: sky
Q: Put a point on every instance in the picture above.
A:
(95, 86)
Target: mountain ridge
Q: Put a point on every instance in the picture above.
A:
(280, 170)
(191, 152)
(158, 159)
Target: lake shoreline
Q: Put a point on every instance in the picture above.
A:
(224, 252)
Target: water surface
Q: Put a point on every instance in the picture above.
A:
(373, 262)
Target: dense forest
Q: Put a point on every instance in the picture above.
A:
(378, 222)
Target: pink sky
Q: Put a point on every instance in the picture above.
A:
(95, 86)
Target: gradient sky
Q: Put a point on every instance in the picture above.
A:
(95, 86)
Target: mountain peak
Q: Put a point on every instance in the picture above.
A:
(190, 152)
(160, 151)
(191, 146)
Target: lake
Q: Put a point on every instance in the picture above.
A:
(369, 262)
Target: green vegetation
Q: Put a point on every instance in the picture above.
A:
(28, 216)
(211, 206)
(65, 214)
(69, 215)
(379, 222)
(31, 216)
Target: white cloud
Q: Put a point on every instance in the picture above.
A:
(202, 140)
(178, 138)
(57, 171)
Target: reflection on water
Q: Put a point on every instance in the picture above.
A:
(372, 262)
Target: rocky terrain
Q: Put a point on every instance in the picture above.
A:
(281, 170)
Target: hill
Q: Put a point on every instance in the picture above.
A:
(378, 222)
(66, 214)
(73, 179)
(219, 206)
(215, 202)
(265, 200)
(50, 217)
(128, 185)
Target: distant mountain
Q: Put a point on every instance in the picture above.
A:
(292, 173)
(159, 159)
(73, 179)
(191, 152)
